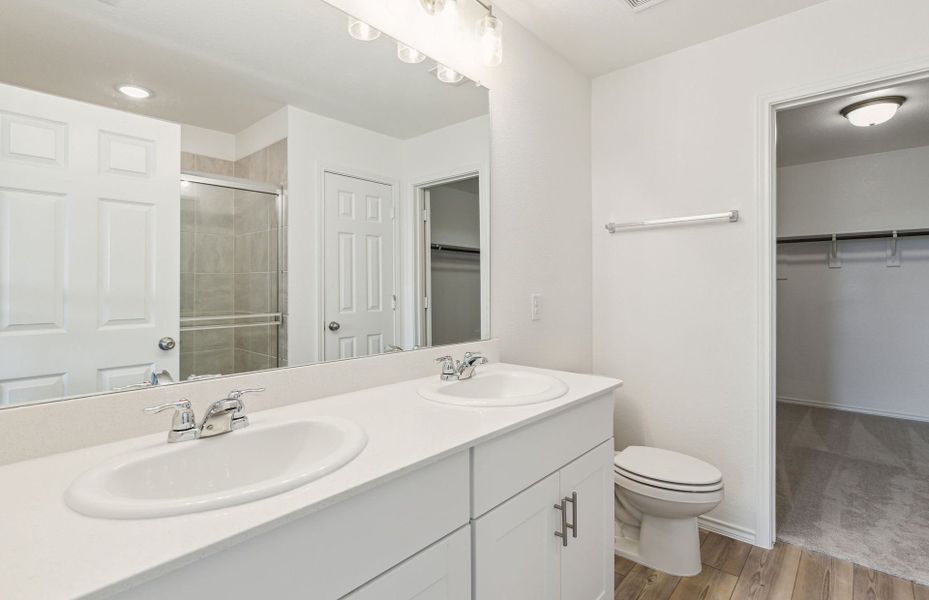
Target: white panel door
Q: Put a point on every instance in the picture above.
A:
(587, 560)
(440, 572)
(89, 246)
(516, 553)
(358, 265)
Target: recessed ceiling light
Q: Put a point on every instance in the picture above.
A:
(872, 112)
(136, 92)
(361, 30)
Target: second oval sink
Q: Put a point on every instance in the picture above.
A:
(246, 465)
(496, 387)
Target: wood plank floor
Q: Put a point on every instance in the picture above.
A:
(734, 570)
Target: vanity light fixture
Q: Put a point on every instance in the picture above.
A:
(136, 92)
(433, 7)
(490, 30)
(872, 112)
(409, 55)
(447, 75)
(361, 30)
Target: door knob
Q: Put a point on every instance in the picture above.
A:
(167, 343)
(334, 326)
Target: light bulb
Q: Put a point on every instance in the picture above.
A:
(490, 31)
(873, 112)
(450, 12)
(447, 75)
(433, 7)
(361, 30)
(409, 55)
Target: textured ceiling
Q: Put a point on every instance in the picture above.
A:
(599, 36)
(818, 132)
(224, 65)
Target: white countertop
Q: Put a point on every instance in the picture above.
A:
(48, 551)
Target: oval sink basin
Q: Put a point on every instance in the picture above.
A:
(242, 466)
(496, 387)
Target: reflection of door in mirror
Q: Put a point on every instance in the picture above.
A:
(452, 261)
(83, 209)
(358, 263)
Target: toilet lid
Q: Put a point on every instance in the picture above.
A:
(660, 465)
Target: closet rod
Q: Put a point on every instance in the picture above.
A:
(862, 235)
(463, 249)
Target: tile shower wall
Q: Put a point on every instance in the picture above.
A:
(260, 278)
(207, 280)
(230, 264)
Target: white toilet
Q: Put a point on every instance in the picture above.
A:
(659, 495)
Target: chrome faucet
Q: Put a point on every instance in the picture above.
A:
(460, 370)
(470, 362)
(221, 417)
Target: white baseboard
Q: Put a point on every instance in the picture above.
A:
(855, 409)
(727, 529)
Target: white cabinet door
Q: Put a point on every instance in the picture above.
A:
(515, 548)
(358, 265)
(587, 561)
(440, 572)
(89, 250)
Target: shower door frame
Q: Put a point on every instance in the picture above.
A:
(249, 185)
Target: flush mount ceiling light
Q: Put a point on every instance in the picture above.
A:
(447, 75)
(136, 92)
(872, 112)
(409, 55)
(361, 30)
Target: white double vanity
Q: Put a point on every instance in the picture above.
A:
(453, 497)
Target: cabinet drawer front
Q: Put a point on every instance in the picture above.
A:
(440, 572)
(516, 553)
(503, 467)
(329, 553)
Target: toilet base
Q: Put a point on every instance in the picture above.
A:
(671, 546)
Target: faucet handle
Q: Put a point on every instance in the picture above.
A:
(477, 357)
(183, 420)
(448, 367)
(237, 394)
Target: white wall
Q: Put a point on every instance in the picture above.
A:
(540, 161)
(207, 142)
(872, 192)
(854, 337)
(676, 310)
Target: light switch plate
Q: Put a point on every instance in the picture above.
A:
(535, 307)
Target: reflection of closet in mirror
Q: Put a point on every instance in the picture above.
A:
(453, 261)
(232, 242)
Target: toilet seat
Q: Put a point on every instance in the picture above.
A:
(665, 469)
(666, 494)
(667, 485)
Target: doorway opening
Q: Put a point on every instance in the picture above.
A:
(850, 273)
(450, 275)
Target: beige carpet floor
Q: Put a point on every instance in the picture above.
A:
(856, 487)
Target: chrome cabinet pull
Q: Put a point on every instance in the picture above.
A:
(573, 524)
(563, 534)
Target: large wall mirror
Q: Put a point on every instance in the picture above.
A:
(181, 199)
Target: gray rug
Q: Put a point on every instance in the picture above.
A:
(855, 487)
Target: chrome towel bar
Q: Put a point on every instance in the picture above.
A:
(731, 216)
